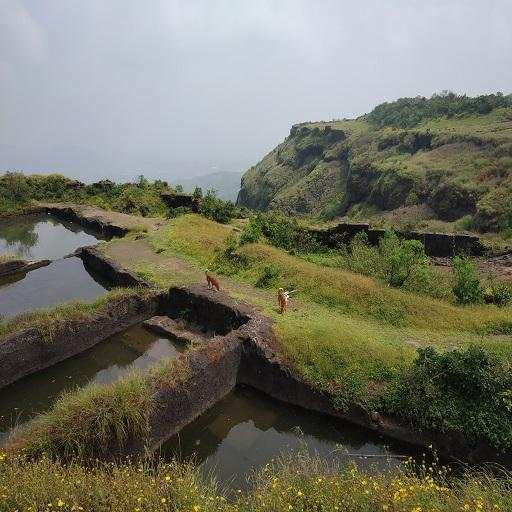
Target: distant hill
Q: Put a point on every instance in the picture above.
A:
(227, 184)
(449, 154)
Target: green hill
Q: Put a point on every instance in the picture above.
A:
(449, 155)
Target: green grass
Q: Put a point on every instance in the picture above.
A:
(96, 420)
(91, 421)
(199, 241)
(48, 320)
(300, 483)
(345, 333)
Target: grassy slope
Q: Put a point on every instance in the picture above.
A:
(344, 330)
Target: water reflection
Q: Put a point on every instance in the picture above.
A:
(61, 281)
(247, 429)
(45, 237)
(42, 237)
(103, 363)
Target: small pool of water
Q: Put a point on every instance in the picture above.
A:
(247, 429)
(36, 237)
(104, 363)
(61, 281)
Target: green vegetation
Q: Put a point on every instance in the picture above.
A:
(468, 388)
(18, 192)
(409, 112)
(467, 288)
(443, 163)
(350, 335)
(299, 483)
(48, 320)
(216, 209)
(91, 421)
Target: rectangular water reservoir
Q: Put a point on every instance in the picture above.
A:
(36, 237)
(135, 348)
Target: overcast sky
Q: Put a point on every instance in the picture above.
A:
(161, 87)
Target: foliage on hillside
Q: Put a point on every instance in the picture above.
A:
(409, 112)
(19, 191)
(450, 155)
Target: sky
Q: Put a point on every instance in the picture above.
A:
(118, 88)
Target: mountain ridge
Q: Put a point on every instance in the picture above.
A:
(449, 154)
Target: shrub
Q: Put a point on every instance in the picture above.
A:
(401, 259)
(408, 112)
(228, 260)
(499, 294)
(269, 276)
(216, 209)
(252, 232)
(466, 286)
(466, 390)
(400, 263)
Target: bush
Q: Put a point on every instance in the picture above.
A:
(466, 287)
(401, 259)
(281, 231)
(465, 390)
(499, 294)
(216, 209)
(229, 261)
(269, 276)
(400, 263)
(252, 232)
(408, 112)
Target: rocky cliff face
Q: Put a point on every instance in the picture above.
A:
(301, 175)
(458, 167)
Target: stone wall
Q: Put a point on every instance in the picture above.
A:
(436, 244)
(10, 267)
(30, 350)
(209, 308)
(213, 370)
(114, 273)
(180, 201)
(72, 214)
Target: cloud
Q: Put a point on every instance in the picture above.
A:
(21, 37)
(178, 86)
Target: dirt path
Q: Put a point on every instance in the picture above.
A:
(107, 217)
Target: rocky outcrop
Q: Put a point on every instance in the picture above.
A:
(334, 168)
(16, 266)
(288, 176)
(174, 200)
(436, 244)
(114, 273)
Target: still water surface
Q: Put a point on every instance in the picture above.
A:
(247, 429)
(35, 237)
(135, 348)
